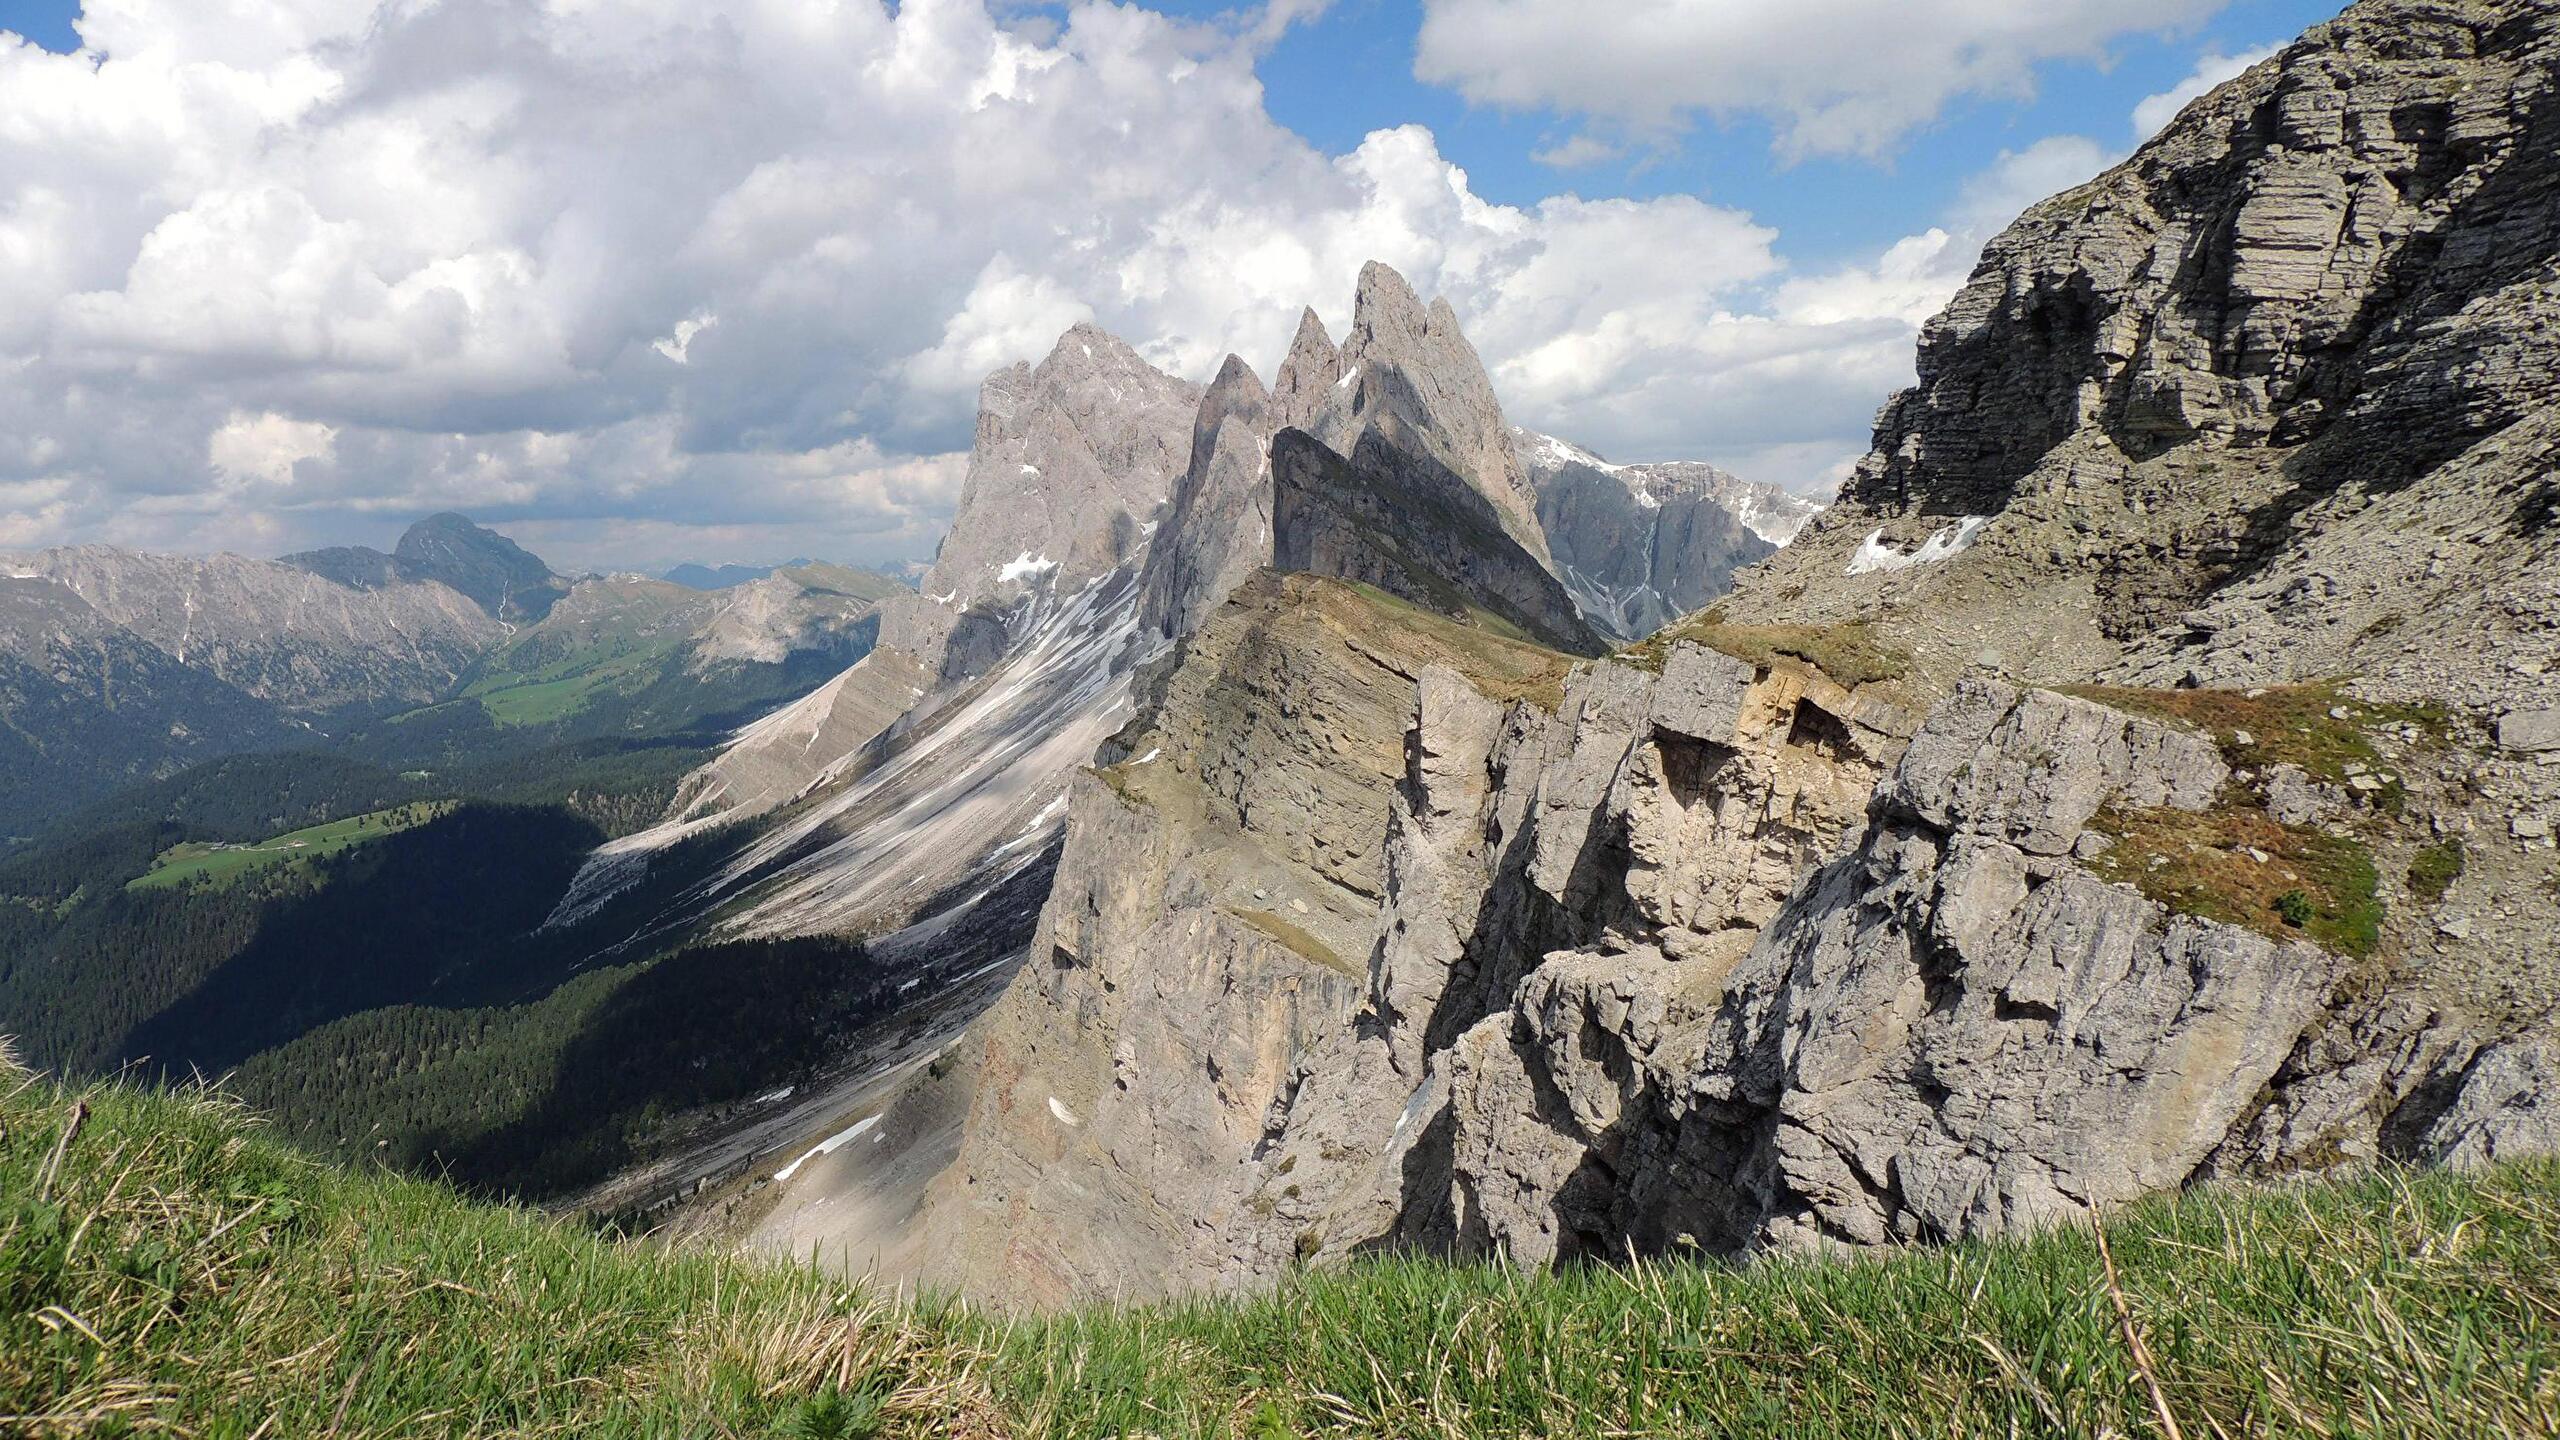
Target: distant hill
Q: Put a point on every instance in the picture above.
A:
(497, 574)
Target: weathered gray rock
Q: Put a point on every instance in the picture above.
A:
(87, 705)
(1307, 375)
(1408, 373)
(1218, 530)
(2507, 1106)
(1072, 460)
(1397, 519)
(2531, 731)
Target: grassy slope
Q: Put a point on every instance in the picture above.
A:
(181, 1273)
(223, 864)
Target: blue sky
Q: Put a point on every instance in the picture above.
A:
(650, 282)
(1350, 71)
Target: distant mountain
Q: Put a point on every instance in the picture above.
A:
(717, 577)
(324, 651)
(497, 574)
(86, 705)
(1641, 545)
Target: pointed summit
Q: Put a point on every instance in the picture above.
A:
(1219, 529)
(1307, 376)
(1072, 458)
(1408, 372)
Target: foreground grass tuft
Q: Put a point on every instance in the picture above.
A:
(172, 1272)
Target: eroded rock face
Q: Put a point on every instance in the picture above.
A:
(1399, 520)
(1954, 1030)
(1208, 928)
(1072, 459)
(2267, 401)
(1408, 373)
(1218, 530)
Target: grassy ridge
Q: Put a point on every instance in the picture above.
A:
(176, 1273)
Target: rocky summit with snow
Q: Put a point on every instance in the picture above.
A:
(2141, 772)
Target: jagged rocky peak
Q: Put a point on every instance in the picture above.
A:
(1385, 462)
(1807, 923)
(2295, 346)
(1219, 527)
(1072, 459)
(1638, 546)
(1307, 375)
(1408, 372)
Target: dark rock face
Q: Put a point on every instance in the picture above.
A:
(1402, 522)
(499, 575)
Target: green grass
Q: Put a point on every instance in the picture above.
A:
(568, 685)
(220, 865)
(2310, 884)
(181, 1275)
(2433, 870)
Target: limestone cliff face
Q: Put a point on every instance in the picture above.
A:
(1397, 519)
(1072, 459)
(1400, 459)
(1208, 927)
(2263, 402)
(1219, 527)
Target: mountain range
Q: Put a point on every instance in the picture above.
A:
(124, 667)
(1301, 819)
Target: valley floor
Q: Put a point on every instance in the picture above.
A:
(165, 1269)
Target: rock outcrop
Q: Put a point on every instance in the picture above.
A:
(1220, 879)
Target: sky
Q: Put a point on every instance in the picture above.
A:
(646, 281)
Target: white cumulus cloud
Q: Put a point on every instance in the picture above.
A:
(645, 280)
(1833, 76)
(2212, 68)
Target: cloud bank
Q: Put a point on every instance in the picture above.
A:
(645, 282)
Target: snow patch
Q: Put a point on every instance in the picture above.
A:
(1065, 1115)
(1150, 757)
(828, 1146)
(1023, 567)
(1874, 555)
(1347, 377)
